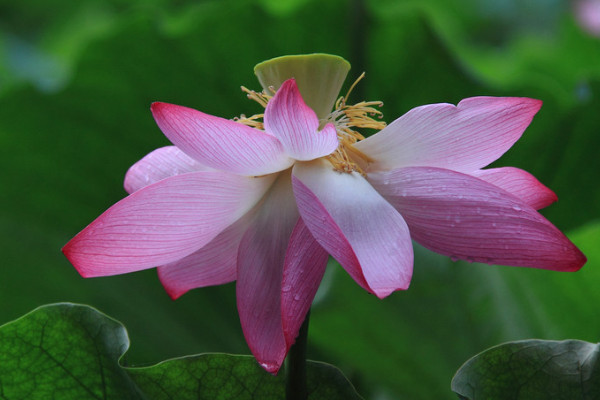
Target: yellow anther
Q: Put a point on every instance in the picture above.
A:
(260, 97)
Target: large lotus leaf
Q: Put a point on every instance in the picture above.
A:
(69, 351)
(64, 351)
(532, 370)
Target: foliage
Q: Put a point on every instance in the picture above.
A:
(532, 370)
(69, 351)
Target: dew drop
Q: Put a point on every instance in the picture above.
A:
(297, 297)
(271, 368)
(286, 288)
(516, 208)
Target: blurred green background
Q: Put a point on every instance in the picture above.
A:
(76, 83)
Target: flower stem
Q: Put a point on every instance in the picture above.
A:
(295, 371)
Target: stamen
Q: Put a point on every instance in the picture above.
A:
(251, 121)
(261, 98)
(346, 117)
(352, 86)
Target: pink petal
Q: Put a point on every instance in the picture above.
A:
(260, 266)
(160, 164)
(462, 138)
(520, 184)
(213, 264)
(221, 143)
(305, 263)
(466, 218)
(163, 222)
(296, 125)
(357, 226)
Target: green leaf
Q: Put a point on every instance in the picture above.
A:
(223, 376)
(64, 351)
(532, 370)
(70, 351)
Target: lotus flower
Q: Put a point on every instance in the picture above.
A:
(265, 207)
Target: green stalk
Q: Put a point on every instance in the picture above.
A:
(295, 366)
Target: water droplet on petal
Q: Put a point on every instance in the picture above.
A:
(516, 208)
(297, 297)
(286, 288)
(270, 368)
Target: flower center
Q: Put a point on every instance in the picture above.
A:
(345, 118)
